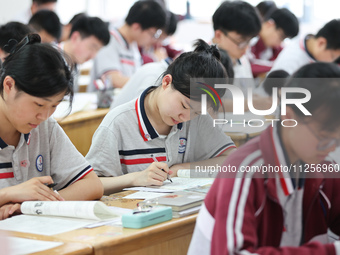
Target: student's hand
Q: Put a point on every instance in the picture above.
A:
(9, 210)
(153, 175)
(33, 189)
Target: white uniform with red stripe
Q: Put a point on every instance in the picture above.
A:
(118, 55)
(46, 151)
(126, 141)
(293, 56)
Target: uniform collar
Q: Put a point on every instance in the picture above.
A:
(303, 46)
(119, 37)
(146, 129)
(27, 138)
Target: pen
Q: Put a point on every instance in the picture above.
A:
(51, 185)
(155, 159)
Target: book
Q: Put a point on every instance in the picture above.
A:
(186, 212)
(93, 210)
(181, 200)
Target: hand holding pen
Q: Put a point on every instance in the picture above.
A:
(168, 176)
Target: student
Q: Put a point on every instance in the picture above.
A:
(121, 58)
(324, 46)
(12, 30)
(235, 24)
(34, 150)
(47, 24)
(160, 123)
(277, 26)
(36, 6)
(265, 8)
(88, 35)
(66, 29)
(281, 212)
(148, 75)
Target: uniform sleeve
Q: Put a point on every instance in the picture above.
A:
(211, 141)
(68, 165)
(107, 59)
(229, 222)
(103, 154)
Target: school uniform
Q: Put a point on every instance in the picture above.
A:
(118, 55)
(145, 76)
(46, 151)
(262, 57)
(126, 142)
(258, 213)
(293, 56)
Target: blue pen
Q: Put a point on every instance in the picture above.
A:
(155, 159)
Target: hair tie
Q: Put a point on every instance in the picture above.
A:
(10, 46)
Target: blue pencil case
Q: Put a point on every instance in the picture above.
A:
(142, 219)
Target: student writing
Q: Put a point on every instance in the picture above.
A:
(34, 150)
(163, 122)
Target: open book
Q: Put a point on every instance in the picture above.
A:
(94, 210)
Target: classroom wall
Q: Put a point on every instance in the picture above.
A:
(9, 8)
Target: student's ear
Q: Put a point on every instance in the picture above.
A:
(9, 84)
(136, 27)
(75, 36)
(218, 36)
(322, 43)
(166, 81)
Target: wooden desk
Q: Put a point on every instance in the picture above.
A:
(81, 126)
(171, 237)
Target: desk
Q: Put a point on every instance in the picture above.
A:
(171, 237)
(81, 126)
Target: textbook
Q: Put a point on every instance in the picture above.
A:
(181, 200)
(93, 210)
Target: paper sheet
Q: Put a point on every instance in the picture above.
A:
(43, 225)
(19, 246)
(144, 195)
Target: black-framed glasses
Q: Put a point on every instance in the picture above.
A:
(324, 143)
(240, 45)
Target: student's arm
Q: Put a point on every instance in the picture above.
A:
(117, 79)
(87, 188)
(153, 175)
(208, 162)
(33, 189)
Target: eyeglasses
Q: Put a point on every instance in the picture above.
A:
(324, 143)
(240, 45)
(157, 34)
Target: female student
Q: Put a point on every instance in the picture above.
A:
(288, 210)
(160, 126)
(34, 150)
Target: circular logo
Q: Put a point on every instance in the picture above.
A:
(147, 136)
(182, 145)
(39, 163)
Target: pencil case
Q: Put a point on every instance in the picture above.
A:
(142, 219)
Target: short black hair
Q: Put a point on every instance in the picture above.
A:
(237, 16)
(88, 26)
(39, 2)
(171, 23)
(39, 70)
(46, 20)
(12, 30)
(146, 13)
(322, 80)
(331, 32)
(266, 8)
(202, 63)
(275, 79)
(76, 17)
(287, 21)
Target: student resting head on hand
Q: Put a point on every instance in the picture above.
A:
(34, 150)
(163, 123)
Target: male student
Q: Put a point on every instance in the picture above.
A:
(11, 30)
(121, 58)
(323, 47)
(36, 5)
(284, 198)
(87, 37)
(235, 24)
(278, 25)
(47, 24)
